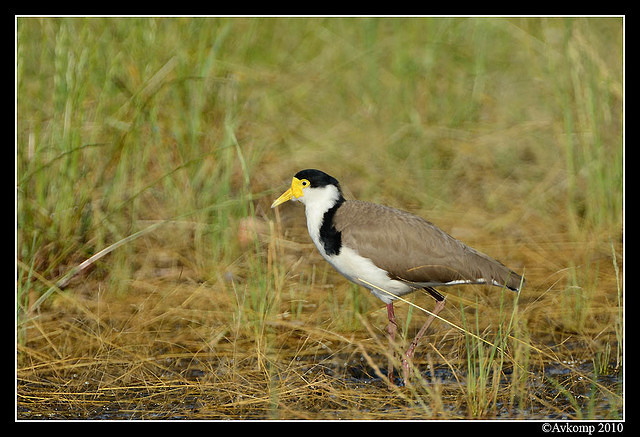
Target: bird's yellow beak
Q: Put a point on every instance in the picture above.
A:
(292, 193)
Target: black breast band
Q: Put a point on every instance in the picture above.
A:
(331, 238)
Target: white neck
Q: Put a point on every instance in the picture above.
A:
(317, 201)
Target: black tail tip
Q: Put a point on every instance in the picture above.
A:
(516, 283)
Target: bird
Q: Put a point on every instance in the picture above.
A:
(389, 251)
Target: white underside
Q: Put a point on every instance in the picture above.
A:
(355, 267)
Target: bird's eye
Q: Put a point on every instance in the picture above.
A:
(305, 183)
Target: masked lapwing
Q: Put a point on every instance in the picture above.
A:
(388, 251)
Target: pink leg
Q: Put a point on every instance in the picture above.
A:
(406, 366)
(392, 327)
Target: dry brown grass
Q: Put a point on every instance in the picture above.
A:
(173, 347)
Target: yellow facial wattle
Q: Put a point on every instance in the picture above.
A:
(294, 192)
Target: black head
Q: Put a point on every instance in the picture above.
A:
(317, 178)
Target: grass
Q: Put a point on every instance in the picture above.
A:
(154, 281)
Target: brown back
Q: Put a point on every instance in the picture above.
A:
(414, 250)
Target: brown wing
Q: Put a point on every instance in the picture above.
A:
(413, 249)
